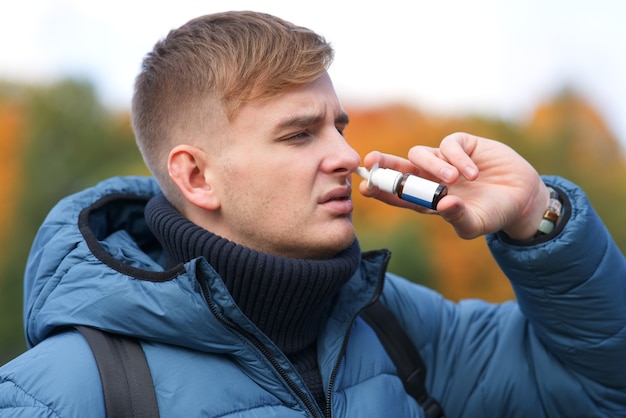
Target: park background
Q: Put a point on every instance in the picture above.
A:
(546, 78)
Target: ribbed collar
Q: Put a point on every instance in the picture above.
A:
(282, 296)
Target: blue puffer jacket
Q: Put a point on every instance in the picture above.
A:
(557, 352)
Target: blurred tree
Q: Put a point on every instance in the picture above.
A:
(410, 249)
(11, 130)
(11, 149)
(566, 136)
(68, 141)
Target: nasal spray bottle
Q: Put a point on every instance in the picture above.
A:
(408, 187)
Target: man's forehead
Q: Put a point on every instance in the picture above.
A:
(301, 106)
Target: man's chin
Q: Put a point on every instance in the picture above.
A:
(336, 243)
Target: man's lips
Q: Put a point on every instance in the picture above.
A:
(338, 200)
(339, 194)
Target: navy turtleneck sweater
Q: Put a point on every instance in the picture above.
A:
(282, 296)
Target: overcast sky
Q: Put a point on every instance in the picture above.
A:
(447, 56)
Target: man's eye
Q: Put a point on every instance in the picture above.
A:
(298, 137)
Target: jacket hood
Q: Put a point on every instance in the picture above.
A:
(94, 262)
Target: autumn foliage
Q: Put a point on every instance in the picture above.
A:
(11, 149)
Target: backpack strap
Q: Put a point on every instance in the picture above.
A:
(129, 390)
(405, 356)
(126, 380)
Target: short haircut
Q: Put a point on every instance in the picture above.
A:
(212, 65)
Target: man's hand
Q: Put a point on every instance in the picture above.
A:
(490, 186)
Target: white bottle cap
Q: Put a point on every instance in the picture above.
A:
(385, 179)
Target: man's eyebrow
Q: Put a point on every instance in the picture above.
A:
(302, 121)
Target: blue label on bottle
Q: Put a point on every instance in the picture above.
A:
(421, 202)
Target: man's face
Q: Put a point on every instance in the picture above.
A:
(284, 176)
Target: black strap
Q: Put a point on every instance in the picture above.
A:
(405, 356)
(126, 380)
(129, 390)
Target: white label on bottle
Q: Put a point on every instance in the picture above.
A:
(419, 191)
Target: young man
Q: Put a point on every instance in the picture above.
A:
(239, 271)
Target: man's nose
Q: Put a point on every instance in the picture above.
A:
(342, 157)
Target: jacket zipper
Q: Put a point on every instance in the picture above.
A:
(333, 375)
(263, 349)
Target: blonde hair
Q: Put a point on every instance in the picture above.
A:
(212, 65)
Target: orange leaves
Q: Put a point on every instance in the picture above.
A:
(11, 148)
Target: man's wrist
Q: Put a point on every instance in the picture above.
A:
(526, 227)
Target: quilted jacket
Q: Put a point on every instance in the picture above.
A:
(557, 351)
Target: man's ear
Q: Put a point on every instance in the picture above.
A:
(189, 169)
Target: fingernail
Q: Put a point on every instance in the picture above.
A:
(446, 175)
(470, 172)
